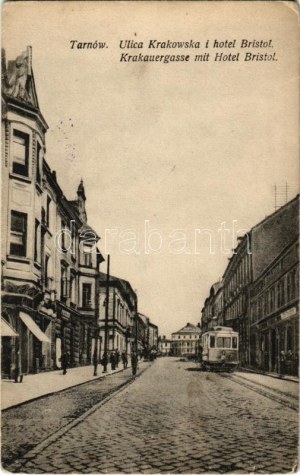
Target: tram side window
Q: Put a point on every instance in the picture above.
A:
(212, 342)
(234, 342)
(223, 342)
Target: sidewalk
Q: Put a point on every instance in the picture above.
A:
(38, 385)
(284, 386)
(286, 377)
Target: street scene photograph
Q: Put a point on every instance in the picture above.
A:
(150, 237)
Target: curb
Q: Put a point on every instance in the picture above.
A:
(51, 393)
(15, 467)
(293, 379)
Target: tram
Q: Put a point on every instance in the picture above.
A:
(220, 349)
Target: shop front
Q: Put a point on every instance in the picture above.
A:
(275, 343)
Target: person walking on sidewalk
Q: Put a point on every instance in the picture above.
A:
(113, 361)
(117, 354)
(124, 359)
(95, 364)
(64, 361)
(134, 362)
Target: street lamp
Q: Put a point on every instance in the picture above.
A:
(105, 356)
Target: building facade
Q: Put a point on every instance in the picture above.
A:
(236, 281)
(260, 300)
(186, 341)
(212, 313)
(122, 310)
(164, 346)
(43, 235)
(153, 337)
(274, 315)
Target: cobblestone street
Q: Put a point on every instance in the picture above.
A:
(176, 419)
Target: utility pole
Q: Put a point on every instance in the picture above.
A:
(114, 317)
(106, 318)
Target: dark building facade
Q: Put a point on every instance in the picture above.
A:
(274, 315)
(260, 298)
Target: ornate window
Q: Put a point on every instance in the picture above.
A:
(38, 162)
(18, 234)
(87, 296)
(20, 153)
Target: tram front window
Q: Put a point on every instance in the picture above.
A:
(234, 342)
(212, 342)
(223, 342)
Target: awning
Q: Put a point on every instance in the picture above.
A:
(6, 329)
(32, 326)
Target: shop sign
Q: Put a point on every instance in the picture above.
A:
(288, 313)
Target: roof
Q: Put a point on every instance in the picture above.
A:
(117, 281)
(189, 328)
(18, 85)
(86, 231)
(217, 286)
(144, 318)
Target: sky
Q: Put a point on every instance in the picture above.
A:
(165, 151)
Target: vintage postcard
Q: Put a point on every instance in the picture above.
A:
(150, 237)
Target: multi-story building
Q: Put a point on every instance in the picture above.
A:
(122, 309)
(43, 242)
(252, 301)
(165, 346)
(185, 342)
(153, 336)
(142, 329)
(274, 314)
(212, 311)
(236, 279)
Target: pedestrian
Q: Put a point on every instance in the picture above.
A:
(117, 354)
(223, 358)
(113, 360)
(200, 353)
(134, 362)
(124, 359)
(95, 363)
(64, 361)
(104, 362)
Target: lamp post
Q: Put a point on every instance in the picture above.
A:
(105, 356)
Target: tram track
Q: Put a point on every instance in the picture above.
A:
(274, 394)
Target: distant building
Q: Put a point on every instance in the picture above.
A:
(122, 308)
(212, 312)
(185, 342)
(165, 346)
(153, 336)
(147, 335)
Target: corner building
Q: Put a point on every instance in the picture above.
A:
(49, 284)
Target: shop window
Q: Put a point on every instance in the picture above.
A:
(18, 234)
(20, 153)
(289, 339)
